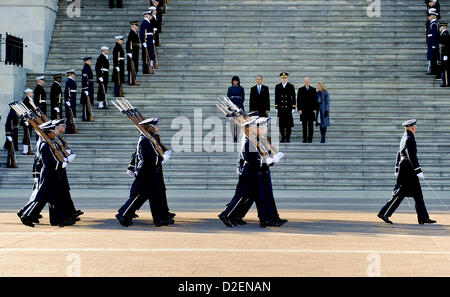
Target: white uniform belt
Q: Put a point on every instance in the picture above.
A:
(103, 69)
(73, 91)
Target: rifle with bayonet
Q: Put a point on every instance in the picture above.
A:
(136, 120)
(33, 121)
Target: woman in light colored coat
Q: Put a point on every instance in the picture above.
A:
(323, 117)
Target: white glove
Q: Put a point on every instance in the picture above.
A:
(169, 152)
(166, 157)
(69, 151)
(9, 138)
(293, 110)
(56, 108)
(36, 180)
(87, 93)
(277, 158)
(269, 161)
(68, 103)
(153, 41)
(144, 44)
(421, 176)
(64, 165)
(130, 55)
(131, 174)
(101, 79)
(276, 111)
(445, 58)
(26, 123)
(396, 174)
(118, 69)
(70, 158)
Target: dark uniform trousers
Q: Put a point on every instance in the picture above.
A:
(408, 184)
(244, 204)
(445, 54)
(119, 4)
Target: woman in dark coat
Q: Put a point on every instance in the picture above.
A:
(323, 117)
(236, 94)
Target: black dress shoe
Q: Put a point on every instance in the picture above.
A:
(67, 222)
(135, 216)
(164, 223)
(78, 213)
(224, 219)
(39, 217)
(123, 221)
(385, 219)
(75, 219)
(26, 221)
(427, 221)
(264, 224)
(35, 220)
(281, 221)
(171, 215)
(233, 221)
(240, 221)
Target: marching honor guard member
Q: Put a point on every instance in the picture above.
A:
(250, 184)
(132, 47)
(408, 172)
(433, 46)
(87, 88)
(147, 184)
(285, 106)
(445, 53)
(118, 66)
(244, 204)
(12, 138)
(56, 95)
(27, 129)
(102, 72)
(47, 189)
(40, 96)
(146, 37)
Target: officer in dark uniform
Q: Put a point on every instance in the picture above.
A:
(147, 184)
(27, 129)
(118, 66)
(87, 87)
(307, 108)
(56, 95)
(132, 47)
(12, 138)
(102, 72)
(70, 97)
(157, 17)
(433, 46)
(47, 190)
(408, 172)
(445, 54)
(40, 96)
(146, 37)
(285, 106)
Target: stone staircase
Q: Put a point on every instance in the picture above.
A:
(374, 69)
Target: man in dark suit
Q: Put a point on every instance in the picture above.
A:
(307, 108)
(260, 98)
